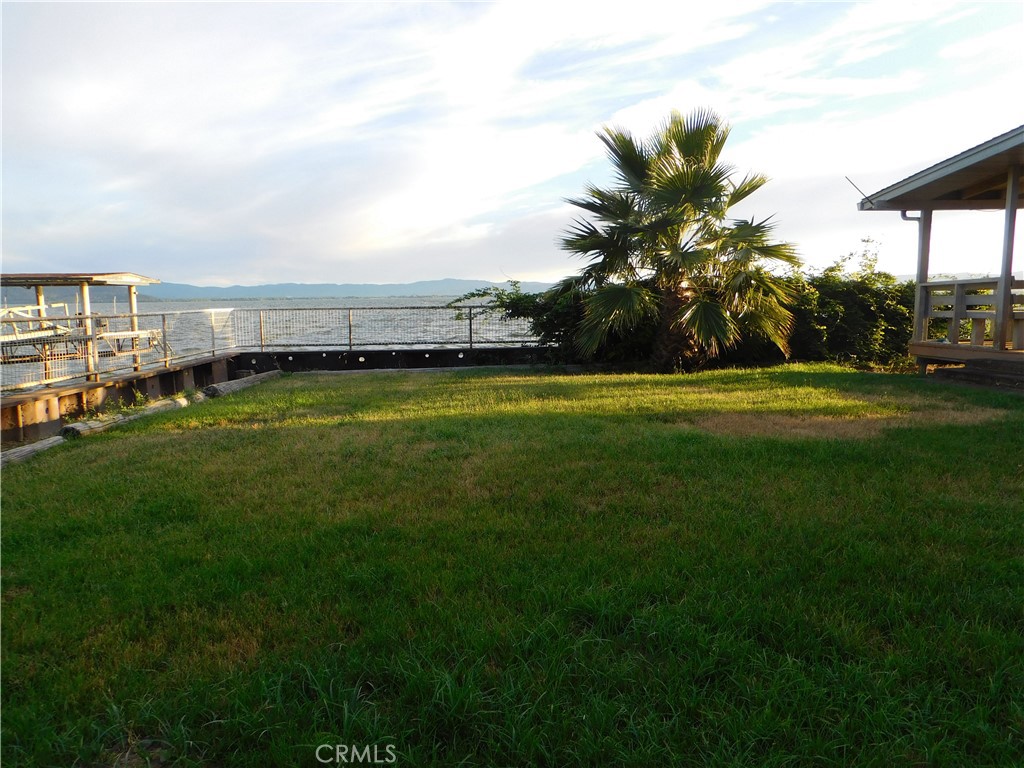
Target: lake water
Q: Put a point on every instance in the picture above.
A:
(180, 330)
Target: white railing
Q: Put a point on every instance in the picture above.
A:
(969, 312)
(39, 349)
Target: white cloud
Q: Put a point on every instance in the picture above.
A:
(407, 141)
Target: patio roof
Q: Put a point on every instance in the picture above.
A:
(975, 179)
(30, 280)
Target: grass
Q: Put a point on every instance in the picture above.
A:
(494, 568)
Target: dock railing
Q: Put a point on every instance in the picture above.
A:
(40, 350)
(966, 312)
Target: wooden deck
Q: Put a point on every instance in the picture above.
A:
(944, 352)
(968, 315)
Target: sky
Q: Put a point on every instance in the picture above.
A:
(247, 143)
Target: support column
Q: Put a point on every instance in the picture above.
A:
(133, 309)
(1004, 298)
(41, 310)
(90, 339)
(921, 298)
(924, 242)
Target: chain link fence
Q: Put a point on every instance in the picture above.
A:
(38, 350)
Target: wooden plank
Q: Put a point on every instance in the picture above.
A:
(974, 282)
(940, 350)
(959, 313)
(984, 300)
(978, 331)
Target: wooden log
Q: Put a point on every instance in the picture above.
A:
(80, 428)
(23, 452)
(227, 387)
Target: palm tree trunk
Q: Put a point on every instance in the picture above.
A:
(675, 349)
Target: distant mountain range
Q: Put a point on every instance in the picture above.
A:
(445, 287)
(185, 292)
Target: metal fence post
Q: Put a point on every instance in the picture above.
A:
(94, 353)
(167, 345)
(263, 337)
(470, 327)
(350, 329)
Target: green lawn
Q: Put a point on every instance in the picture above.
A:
(803, 565)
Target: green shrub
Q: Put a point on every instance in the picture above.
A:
(862, 318)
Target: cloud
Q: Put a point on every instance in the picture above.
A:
(207, 142)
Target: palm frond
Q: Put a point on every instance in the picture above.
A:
(567, 285)
(609, 205)
(614, 307)
(699, 136)
(767, 318)
(748, 186)
(710, 322)
(754, 236)
(700, 188)
(629, 158)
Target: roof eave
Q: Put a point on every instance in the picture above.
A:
(906, 195)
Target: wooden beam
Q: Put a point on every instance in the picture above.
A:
(996, 182)
(940, 350)
(994, 204)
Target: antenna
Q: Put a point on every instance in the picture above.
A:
(856, 187)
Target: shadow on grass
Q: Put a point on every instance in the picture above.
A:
(554, 575)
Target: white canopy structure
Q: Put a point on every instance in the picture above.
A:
(990, 311)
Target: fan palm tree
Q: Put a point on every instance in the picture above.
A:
(661, 251)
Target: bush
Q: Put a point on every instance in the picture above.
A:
(862, 318)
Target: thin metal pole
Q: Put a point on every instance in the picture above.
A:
(167, 346)
(263, 338)
(133, 309)
(350, 329)
(213, 333)
(470, 327)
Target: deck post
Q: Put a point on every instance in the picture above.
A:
(922, 298)
(41, 305)
(959, 313)
(133, 309)
(1004, 297)
(90, 339)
